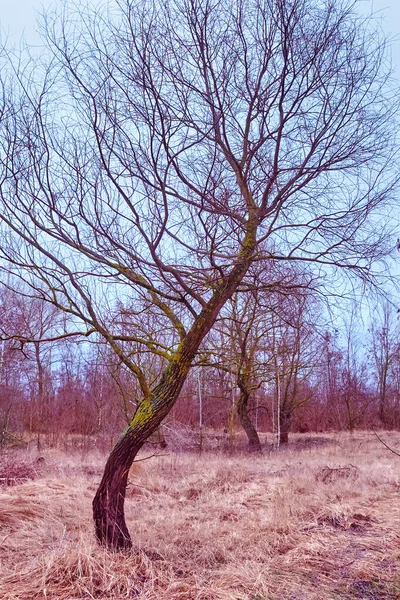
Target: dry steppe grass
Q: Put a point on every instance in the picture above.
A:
(319, 520)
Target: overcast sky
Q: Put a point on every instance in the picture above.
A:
(18, 17)
(389, 13)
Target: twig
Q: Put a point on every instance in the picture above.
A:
(147, 457)
(386, 446)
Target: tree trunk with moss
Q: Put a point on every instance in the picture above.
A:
(108, 503)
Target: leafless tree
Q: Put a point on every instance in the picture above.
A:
(272, 303)
(246, 332)
(294, 350)
(25, 324)
(161, 142)
(353, 397)
(330, 377)
(233, 348)
(384, 341)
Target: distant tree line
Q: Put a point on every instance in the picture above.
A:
(270, 372)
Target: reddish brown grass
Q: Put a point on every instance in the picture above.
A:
(316, 521)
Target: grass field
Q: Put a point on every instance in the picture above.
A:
(319, 520)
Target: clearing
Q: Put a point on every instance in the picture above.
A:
(319, 520)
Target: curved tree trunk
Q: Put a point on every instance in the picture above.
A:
(108, 503)
(245, 421)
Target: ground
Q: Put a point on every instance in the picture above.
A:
(319, 520)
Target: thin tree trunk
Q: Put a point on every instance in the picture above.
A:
(382, 406)
(41, 392)
(284, 429)
(200, 394)
(245, 421)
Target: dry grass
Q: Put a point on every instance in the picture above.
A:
(317, 521)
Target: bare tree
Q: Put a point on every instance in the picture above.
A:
(384, 341)
(245, 340)
(293, 350)
(233, 348)
(354, 390)
(161, 143)
(272, 304)
(395, 386)
(330, 378)
(25, 325)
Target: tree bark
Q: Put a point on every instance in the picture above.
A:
(246, 423)
(285, 422)
(382, 409)
(108, 504)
